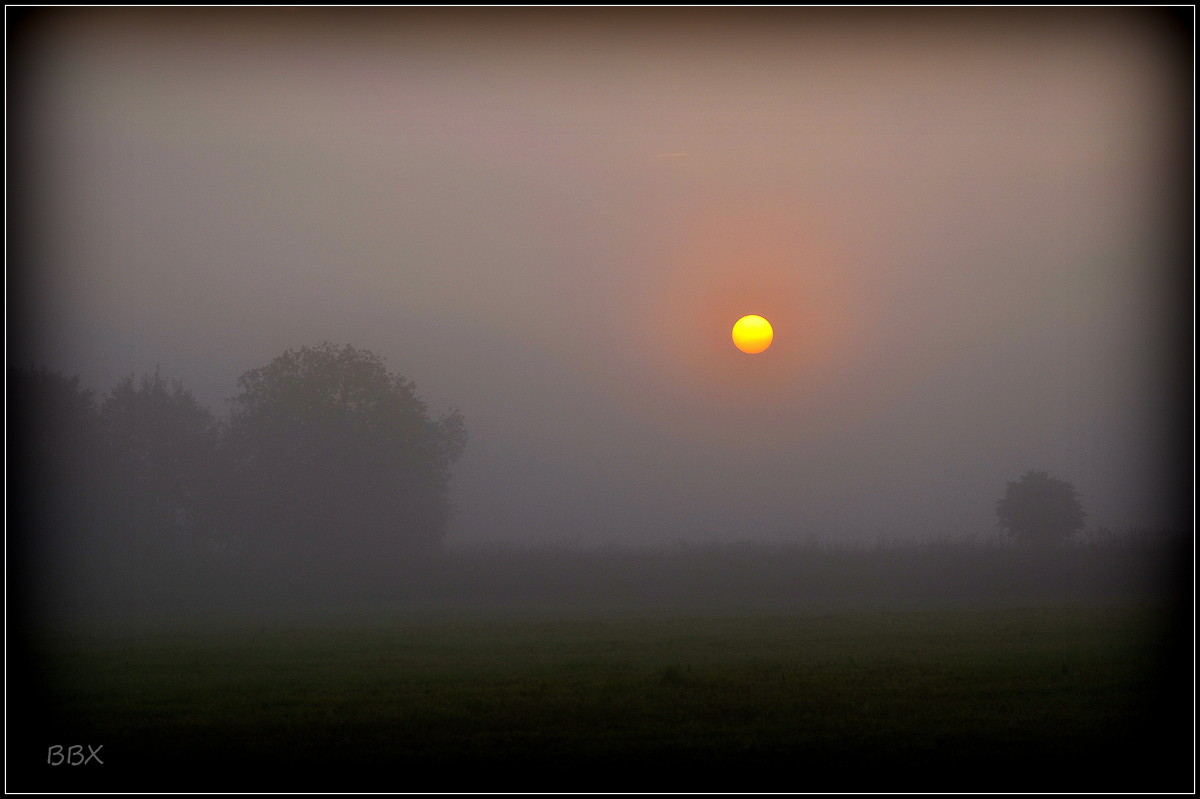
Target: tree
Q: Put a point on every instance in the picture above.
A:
(53, 435)
(161, 449)
(333, 456)
(1040, 509)
(51, 467)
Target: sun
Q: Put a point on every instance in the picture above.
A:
(752, 334)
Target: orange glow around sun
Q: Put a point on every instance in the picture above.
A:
(787, 262)
(752, 334)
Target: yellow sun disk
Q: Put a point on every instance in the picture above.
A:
(752, 334)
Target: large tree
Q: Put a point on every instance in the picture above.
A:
(1040, 509)
(334, 457)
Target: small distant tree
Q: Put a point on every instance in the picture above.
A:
(1040, 509)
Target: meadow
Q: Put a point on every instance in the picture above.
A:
(1047, 696)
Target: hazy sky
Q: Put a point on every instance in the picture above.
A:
(965, 228)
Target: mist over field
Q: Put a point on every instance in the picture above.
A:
(371, 398)
(967, 227)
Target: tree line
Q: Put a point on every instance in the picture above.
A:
(323, 458)
(326, 467)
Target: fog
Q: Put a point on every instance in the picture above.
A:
(373, 420)
(968, 228)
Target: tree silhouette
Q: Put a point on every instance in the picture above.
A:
(54, 431)
(1040, 509)
(161, 449)
(52, 458)
(334, 457)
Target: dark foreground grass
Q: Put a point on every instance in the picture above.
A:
(1029, 699)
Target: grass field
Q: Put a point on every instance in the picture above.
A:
(1001, 699)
